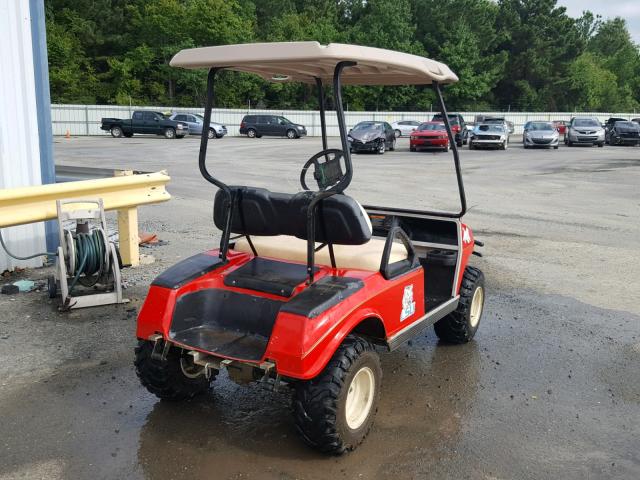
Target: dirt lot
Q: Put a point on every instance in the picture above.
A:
(550, 388)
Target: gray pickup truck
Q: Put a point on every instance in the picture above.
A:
(146, 122)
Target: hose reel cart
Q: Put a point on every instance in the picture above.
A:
(87, 263)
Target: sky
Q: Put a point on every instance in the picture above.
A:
(627, 9)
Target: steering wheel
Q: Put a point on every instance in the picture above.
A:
(328, 174)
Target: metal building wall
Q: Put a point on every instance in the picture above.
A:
(19, 141)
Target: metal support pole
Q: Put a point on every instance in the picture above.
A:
(323, 124)
(337, 96)
(204, 139)
(454, 148)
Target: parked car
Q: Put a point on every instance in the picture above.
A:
(540, 134)
(584, 130)
(255, 126)
(561, 126)
(458, 126)
(372, 137)
(608, 125)
(624, 133)
(429, 135)
(509, 126)
(636, 120)
(145, 121)
(195, 122)
(404, 127)
(492, 135)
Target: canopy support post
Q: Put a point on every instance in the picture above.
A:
(323, 122)
(318, 196)
(204, 140)
(337, 98)
(454, 149)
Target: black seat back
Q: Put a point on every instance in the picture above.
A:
(340, 219)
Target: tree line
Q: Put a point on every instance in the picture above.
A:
(526, 55)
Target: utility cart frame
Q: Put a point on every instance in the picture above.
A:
(305, 287)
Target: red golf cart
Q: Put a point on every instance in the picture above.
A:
(306, 287)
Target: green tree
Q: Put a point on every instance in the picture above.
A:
(541, 40)
(461, 33)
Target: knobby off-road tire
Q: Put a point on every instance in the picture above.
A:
(323, 417)
(165, 378)
(461, 325)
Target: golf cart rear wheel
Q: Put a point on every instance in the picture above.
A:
(334, 411)
(174, 378)
(461, 325)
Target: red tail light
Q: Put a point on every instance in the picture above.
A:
(241, 124)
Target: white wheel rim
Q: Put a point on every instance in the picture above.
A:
(360, 398)
(477, 302)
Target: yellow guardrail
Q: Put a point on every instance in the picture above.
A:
(123, 193)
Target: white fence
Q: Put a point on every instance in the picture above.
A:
(85, 119)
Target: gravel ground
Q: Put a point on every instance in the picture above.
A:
(550, 387)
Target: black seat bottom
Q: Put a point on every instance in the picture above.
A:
(227, 323)
(268, 276)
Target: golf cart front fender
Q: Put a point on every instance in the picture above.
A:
(467, 242)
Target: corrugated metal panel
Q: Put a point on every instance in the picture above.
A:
(19, 148)
(85, 119)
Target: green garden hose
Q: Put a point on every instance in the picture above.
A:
(89, 258)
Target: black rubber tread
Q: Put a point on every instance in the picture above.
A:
(316, 402)
(455, 327)
(165, 378)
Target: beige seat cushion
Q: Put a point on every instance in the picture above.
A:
(360, 257)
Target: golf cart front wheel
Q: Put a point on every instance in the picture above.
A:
(172, 378)
(335, 411)
(461, 325)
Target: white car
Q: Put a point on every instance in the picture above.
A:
(404, 128)
(491, 135)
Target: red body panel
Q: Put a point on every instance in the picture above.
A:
(300, 346)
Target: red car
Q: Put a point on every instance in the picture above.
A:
(429, 135)
(561, 126)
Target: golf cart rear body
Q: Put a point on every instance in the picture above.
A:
(311, 282)
(257, 309)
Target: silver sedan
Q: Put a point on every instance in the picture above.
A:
(540, 134)
(196, 122)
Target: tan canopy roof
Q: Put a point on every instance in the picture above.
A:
(303, 61)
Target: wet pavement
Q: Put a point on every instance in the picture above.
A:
(550, 387)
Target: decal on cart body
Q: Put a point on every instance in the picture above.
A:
(466, 236)
(408, 304)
